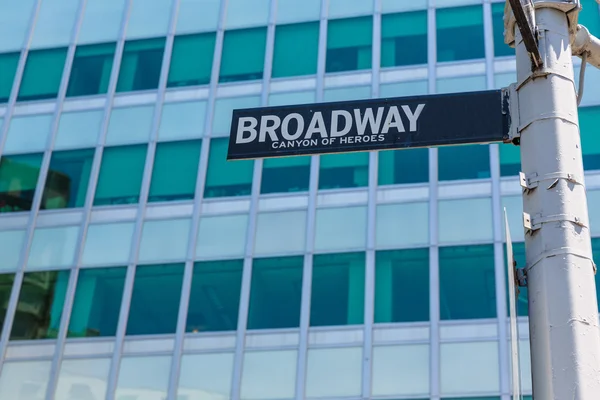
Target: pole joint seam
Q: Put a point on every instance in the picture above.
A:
(532, 225)
(550, 115)
(531, 181)
(558, 252)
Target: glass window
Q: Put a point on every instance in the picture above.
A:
(391, 218)
(224, 112)
(400, 32)
(141, 64)
(402, 285)
(401, 370)
(67, 181)
(275, 293)
(522, 304)
(247, 12)
(82, 378)
(589, 118)
(510, 159)
(78, 129)
(53, 247)
(8, 65)
(25, 378)
(514, 212)
(222, 236)
(175, 171)
(467, 282)
(454, 213)
(182, 120)
(164, 240)
(130, 125)
(341, 228)
(14, 24)
(345, 8)
(101, 21)
(10, 248)
(504, 79)
(215, 296)
(108, 244)
(286, 174)
(596, 256)
(28, 134)
(476, 163)
(47, 32)
(338, 289)
(292, 11)
(143, 377)
(227, 178)
(469, 368)
(6, 285)
(408, 88)
(269, 226)
(337, 171)
(590, 15)
(291, 98)
(197, 16)
(44, 294)
(593, 197)
(349, 44)
(461, 84)
(347, 93)
(206, 375)
(18, 179)
(148, 18)
(243, 54)
(460, 33)
(92, 66)
(97, 302)
(334, 372)
(121, 174)
(151, 314)
(192, 59)
(289, 59)
(269, 375)
(403, 166)
(500, 49)
(42, 75)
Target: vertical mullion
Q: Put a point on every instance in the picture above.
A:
(18, 279)
(434, 276)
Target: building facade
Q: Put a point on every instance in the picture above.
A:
(137, 263)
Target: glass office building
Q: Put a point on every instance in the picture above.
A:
(137, 263)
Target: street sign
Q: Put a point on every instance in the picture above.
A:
(369, 125)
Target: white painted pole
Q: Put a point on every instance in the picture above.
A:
(563, 311)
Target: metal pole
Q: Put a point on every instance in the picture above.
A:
(563, 310)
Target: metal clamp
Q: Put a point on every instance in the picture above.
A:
(530, 182)
(558, 252)
(532, 225)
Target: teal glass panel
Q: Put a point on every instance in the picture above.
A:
(14, 23)
(590, 16)
(43, 292)
(287, 174)
(148, 18)
(474, 162)
(101, 21)
(510, 160)
(215, 296)
(467, 282)
(198, 16)
(225, 178)
(155, 299)
(67, 181)
(460, 33)
(521, 300)
(121, 174)
(47, 32)
(6, 284)
(296, 49)
(18, 179)
(247, 13)
(8, 69)
(349, 44)
(401, 32)
(338, 171)
(338, 289)
(141, 65)
(42, 75)
(500, 48)
(243, 56)
(276, 293)
(28, 134)
(91, 69)
(589, 120)
(596, 256)
(192, 59)
(97, 303)
(403, 166)
(402, 285)
(175, 171)
(290, 11)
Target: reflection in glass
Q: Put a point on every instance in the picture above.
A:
(337, 171)
(192, 59)
(85, 379)
(6, 284)
(92, 66)
(402, 31)
(108, 244)
(42, 75)
(288, 174)
(18, 179)
(403, 167)
(8, 66)
(67, 181)
(222, 236)
(460, 33)
(141, 64)
(40, 305)
(289, 59)
(225, 178)
(97, 302)
(78, 129)
(10, 248)
(349, 44)
(175, 170)
(28, 134)
(205, 376)
(143, 378)
(24, 380)
(53, 247)
(164, 240)
(243, 54)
